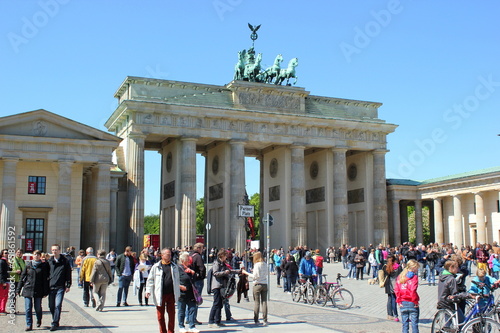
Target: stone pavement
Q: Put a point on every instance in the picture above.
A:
(367, 315)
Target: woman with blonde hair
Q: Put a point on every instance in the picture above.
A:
(259, 277)
(407, 297)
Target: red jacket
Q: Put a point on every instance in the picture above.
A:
(407, 292)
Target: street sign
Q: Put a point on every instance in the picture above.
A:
(208, 226)
(271, 220)
(246, 211)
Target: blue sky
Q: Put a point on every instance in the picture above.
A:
(433, 65)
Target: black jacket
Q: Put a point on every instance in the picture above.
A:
(120, 264)
(60, 273)
(200, 272)
(34, 282)
(4, 270)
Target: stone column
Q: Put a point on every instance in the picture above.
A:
(298, 208)
(419, 232)
(103, 201)
(396, 221)
(113, 203)
(64, 204)
(135, 175)
(188, 192)
(438, 221)
(380, 198)
(457, 218)
(237, 179)
(7, 210)
(480, 223)
(340, 212)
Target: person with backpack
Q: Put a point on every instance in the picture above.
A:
(219, 279)
(260, 289)
(432, 258)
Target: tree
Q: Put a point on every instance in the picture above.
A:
(152, 224)
(412, 231)
(200, 216)
(255, 201)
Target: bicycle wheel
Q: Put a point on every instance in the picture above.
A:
(342, 299)
(481, 325)
(443, 322)
(296, 294)
(310, 294)
(321, 296)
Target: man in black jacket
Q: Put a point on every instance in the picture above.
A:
(59, 283)
(125, 267)
(200, 272)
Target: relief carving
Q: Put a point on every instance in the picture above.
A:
(148, 119)
(39, 128)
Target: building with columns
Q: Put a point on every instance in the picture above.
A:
(322, 174)
(58, 183)
(464, 208)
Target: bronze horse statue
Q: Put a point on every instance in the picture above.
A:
(288, 73)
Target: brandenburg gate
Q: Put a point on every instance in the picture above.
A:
(322, 160)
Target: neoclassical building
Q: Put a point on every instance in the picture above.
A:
(58, 183)
(464, 208)
(322, 160)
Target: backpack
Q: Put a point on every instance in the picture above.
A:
(229, 289)
(210, 275)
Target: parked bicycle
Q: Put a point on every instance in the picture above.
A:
(333, 292)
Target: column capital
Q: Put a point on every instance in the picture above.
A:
(297, 146)
(237, 142)
(137, 135)
(380, 151)
(339, 149)
(478, 193)
(188, 138)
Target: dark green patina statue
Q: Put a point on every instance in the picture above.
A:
(248, 66)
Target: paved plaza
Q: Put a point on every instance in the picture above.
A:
(367, 315)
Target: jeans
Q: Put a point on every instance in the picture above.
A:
(352, 271)
(113, 268)
(189, 308)
(199, 286)
(78, 274)
(375, 271)
(431, 275)
(56, 297)
(392, 307)
(278, 275)
(28, 307)
(139, 294)
(271, 267)
(227, 308)
(319, 271)
(123, 284)
(290, 282)
(344, 262)
(410, 313)
(215, 312)
(260, 296)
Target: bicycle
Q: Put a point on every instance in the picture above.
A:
(303, 288)
(476, 320)
(340, 297)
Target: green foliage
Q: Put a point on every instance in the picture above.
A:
(255, 201)
(412, 232)
(200, 216)
(152, 224)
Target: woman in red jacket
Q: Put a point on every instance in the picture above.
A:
(407, 296)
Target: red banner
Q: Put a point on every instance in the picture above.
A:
(32, 188)
(29, 244)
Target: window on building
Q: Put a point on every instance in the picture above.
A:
(36, 185)
(34, 234)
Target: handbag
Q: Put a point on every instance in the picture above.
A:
(381, 278)
(197, 296)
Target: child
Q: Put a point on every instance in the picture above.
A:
(407, 297)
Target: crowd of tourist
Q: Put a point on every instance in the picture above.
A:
(168, 277)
